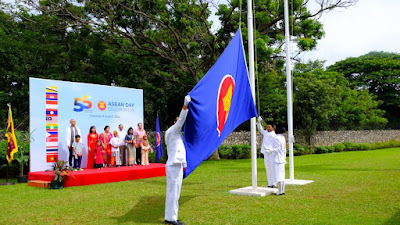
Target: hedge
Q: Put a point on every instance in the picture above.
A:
(244, 151)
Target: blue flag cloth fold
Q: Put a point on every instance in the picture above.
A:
(159, 149)
(221, 101)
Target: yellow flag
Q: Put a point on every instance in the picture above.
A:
(12, 146)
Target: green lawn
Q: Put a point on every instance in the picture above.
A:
(349, 188)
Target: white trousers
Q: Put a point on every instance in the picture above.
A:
(269, 167)
(279, 169)
(174, 184)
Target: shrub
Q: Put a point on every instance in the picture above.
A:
(339, 147)
(348, 146)
(330, 149)
(363, 146)
(393, 144)
(321, 150)
(225, 152)
(245, 152)
(241, 151)
(299, 150)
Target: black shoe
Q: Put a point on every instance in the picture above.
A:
(272, 186)
(178, 222)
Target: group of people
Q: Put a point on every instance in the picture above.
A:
(119, 148)
(274, 150)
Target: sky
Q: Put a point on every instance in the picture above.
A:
(370, 25)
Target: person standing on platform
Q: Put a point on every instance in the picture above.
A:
(145, 151)
(175, 164)
(130, 145)
(77, 147)
(122, 144)
(139, 133)
(98, 157)
(266, 149)
(92, 138)
(279, 160)
(105, 138)
(115, 157)
(71, 132)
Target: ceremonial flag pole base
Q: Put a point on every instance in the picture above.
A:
(249, 191)
(297, 182)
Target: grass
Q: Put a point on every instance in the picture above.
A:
(349, 188)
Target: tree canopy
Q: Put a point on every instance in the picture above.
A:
(166, 47)
(379, 73)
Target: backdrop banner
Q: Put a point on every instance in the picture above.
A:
(53, 103)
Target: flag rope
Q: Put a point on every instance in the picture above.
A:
(255, 59)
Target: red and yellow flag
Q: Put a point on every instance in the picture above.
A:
(12, 146)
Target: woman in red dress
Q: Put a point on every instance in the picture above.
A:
(92, 138)
(105, 138)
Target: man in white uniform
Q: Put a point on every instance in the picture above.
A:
(175, 164)
(266, 149)
(71, 132)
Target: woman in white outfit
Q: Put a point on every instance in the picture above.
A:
(280, 159)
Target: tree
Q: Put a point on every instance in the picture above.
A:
(164, 47)
(379, 73)
(316, 96)
(323, 101)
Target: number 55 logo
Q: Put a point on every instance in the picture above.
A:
(82, 103)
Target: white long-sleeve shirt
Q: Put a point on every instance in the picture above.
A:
(174, 141)
(68, 135)
(268, 139)
(280, 149)
(121, 137)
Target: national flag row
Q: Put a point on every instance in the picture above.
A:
(51, 124)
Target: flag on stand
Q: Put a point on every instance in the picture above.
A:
(159, 149)
(221, 101)
(12, 146)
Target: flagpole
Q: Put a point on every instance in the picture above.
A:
(289, 91)
(252, 84)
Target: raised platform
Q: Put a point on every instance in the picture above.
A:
(104, 175)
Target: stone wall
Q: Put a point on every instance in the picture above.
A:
(325, 138)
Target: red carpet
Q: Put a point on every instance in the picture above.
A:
(104, 175)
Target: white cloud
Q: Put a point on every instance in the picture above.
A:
(370, 25)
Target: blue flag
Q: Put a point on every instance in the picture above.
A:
(221, 101)
(159, 150)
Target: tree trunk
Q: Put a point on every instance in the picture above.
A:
(215, 155)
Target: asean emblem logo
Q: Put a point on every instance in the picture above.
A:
(225, 93)
(102, 105)
(158, 138)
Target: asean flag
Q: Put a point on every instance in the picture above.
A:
(221, 101)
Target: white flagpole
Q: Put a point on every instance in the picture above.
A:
(252, 84)
(289, 92)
